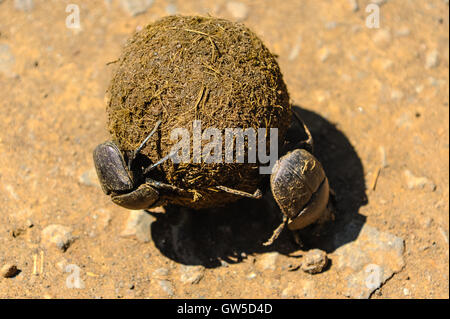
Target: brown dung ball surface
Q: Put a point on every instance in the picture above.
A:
(181, 69)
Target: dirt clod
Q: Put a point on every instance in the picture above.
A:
(58, 235)
(9, 270)
(314, 261)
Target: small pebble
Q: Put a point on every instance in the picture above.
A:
(414, 182)
(382, 37)
(62, 264)
(29, 223)
(267, 261)
(403, 32)
(383, 159)
(102, 218)
(89, 178)
(16, 232)
(136, 7)
(353, 5)
(160, 272)
(23, 5)
(419, 88)
(444, 234)
(167, 287)
(289, 291)
(387, 64)
(192, 274)
(138, 226)
(9, 271)
(304, 288)
(238, 10)
(7, 60)
(251, 276)
(314, 261)
(171, 9)
(324, 53)
(58, 235)
(330, 25)
(396, 94)
(295, 50)
(432, 59)
(404, 120)
(427, 222)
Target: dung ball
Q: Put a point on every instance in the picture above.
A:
(182, 69)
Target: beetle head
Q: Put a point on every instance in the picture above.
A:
(112, 170)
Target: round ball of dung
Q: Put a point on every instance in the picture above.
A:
(184, 69)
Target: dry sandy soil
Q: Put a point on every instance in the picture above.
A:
(376, 100)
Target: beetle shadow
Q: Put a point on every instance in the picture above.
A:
(228, 234)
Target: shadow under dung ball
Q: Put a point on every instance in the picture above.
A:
(181, 69)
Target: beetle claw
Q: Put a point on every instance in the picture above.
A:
(297, 239)
(141, 198)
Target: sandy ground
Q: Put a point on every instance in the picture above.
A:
(376, 100)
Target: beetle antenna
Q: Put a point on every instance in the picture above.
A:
(144, 142)
(309, 141)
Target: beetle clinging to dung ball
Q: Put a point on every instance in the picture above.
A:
(184, 69)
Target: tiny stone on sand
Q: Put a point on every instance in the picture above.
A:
(24, 5)
(432, 59)
(267, 261)
(7, 60)
(58, 235)
(9, 271)
(167, 287)
(238, 10)
(414, 182)
(89, 178)
(191, 274)
(136, 7)
(138, 226)
(314, 261)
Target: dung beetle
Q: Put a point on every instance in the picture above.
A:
(127, 188)
(300, 186)
(298, 182)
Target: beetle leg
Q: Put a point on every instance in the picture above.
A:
(141, 198)
(276, 232)
(161, 185)
(308, 144)
(256, 195)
